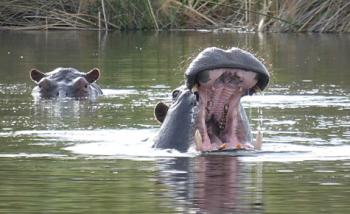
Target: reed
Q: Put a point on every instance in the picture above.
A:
(314, 16)
(252, 15)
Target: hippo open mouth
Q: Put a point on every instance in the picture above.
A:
(221, 122)
(221, 78)
(208, 110)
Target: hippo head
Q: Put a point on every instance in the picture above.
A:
(65, 82)
(220, 78)
(217, 79)
(178, 120)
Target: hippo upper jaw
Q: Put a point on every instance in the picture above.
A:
(234, 58)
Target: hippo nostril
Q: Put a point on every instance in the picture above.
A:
(86, 86)
(57, 94)
(66, 94)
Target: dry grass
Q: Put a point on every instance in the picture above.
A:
(41, 14)
(312, 16)
(257, 15)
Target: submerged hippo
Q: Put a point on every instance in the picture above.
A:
(66, 82)
(217, 79)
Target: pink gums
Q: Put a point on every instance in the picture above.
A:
(219, 121)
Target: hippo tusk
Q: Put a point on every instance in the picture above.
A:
(195, 88)
(257, 89)
(198, 139)
(222, 146)
(258, 141)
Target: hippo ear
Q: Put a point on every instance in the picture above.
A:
(92, 75)
(160, 111)
(36, 75)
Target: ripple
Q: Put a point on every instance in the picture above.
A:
(284, 170)
(276, 152)
(119, 92)
(296, 101)
(330, 184)
(14, 89)
(26, 155)
(136, 144)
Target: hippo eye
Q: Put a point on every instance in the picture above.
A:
(175, 94)
(85, 85)
(57, 94)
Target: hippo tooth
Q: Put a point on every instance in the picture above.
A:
(240, 89)
(257, 89)
(198, 139)
(258, 141)
(195, 88)
(226, 108)
(222, 146)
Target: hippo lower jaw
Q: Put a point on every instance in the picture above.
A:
(221, 121)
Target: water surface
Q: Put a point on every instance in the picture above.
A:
(83, 156)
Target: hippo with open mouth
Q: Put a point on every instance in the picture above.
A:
(66, 82)
(216, 79)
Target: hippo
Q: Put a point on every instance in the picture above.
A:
(218, 79)
(178, 121)
(66, 82)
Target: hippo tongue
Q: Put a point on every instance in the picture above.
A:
(219, 121)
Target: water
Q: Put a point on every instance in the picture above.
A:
(95, 156)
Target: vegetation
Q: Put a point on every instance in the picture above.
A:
(236, 15)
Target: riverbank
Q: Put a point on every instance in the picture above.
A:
(227, 15)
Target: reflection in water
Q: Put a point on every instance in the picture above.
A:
(59, 113)
(69, 108)
(212, 185)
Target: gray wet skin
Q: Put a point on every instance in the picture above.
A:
(65, 82)
(178, 121)
(216, 58)
(219, 78)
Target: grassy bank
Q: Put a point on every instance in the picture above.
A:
(252, 15)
